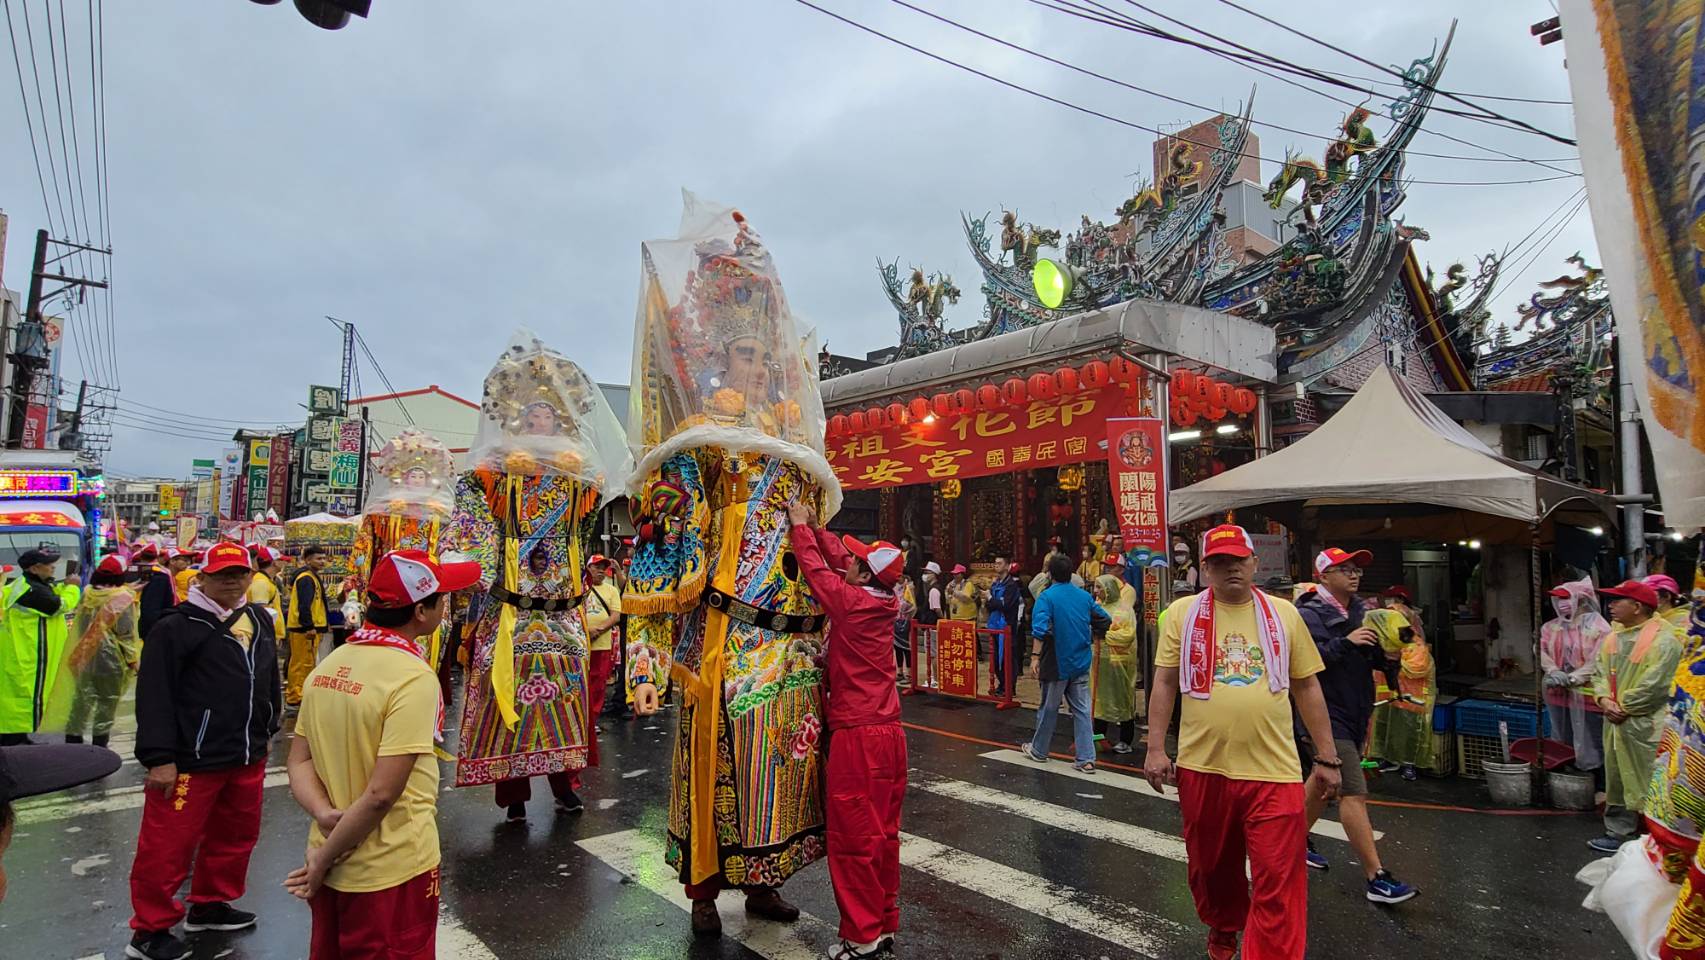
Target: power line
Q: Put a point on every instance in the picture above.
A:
(200, 417)
(1109, 117)
(1256, 61)
(97, 20)
(382, 378)
(1522, 124)
(41, 108)
(101, 373)
(1164, 96)
(29, 124)
(147, 428)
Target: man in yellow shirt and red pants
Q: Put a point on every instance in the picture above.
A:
(1241, 657)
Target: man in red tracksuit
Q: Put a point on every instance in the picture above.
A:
(866, 772)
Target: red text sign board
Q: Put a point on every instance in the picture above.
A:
(1136, 468)
(956, 647)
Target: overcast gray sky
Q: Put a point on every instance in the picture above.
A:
(439, 175)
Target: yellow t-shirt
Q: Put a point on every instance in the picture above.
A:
(611, 596)
(361, 703)
(1243, 730)
(264, 592)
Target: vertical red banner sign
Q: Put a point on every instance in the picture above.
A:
(956, 646)
(1136, 469)
(278, 480)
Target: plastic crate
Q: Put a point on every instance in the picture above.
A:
(1444, 753)
(1480, 718)
(1444, 718)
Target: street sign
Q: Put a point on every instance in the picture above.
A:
(346, 470)
(324, 431)
(322, 400)
(321, 461)
(316, 493)
(349, 436)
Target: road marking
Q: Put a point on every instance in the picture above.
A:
(638, 855)
(1100, 917)
(107, 801)
(1066, 818)
(456, 942)
(1120, 781)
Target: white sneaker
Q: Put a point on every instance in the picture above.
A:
(853, 951)
(1028, 751)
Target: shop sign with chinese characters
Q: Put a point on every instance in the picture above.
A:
(1136, 467)
(956, 646)
(1040, 433)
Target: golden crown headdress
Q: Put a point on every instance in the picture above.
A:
(530, 374)
(415, 450)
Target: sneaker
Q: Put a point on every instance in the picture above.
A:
(1606, 844)
(216, 916)
(517, 813)
(1409, 772)
(1387, 766)
(1385, 888)
(1315, 860)
(1086, 766)
(569, 804)
(1121, 747)
(160, 945)
(854, 951)
(1222, 944)
(1028, 751)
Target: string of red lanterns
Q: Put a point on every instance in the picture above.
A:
(1194, 396)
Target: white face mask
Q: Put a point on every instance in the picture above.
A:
(1565, 606)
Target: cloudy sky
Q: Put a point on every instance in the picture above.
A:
(440, 176)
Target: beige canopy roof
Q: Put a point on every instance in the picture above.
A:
(1389, 445)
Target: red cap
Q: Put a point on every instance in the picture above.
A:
(1113, 560)
(1399, 591)
(264, 554)
(1662, 581)
(598, 560)
(404, 577)
(1559, 592)
(1633, 590)
(1227, 540)
(224, 555)
(883, 558)
(1012, 568)
(1333, 556)
(185, 552)
(148, 552)
(111, 564)
(959, 568)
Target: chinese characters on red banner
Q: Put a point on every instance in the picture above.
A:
(1041, 433)
(1136, 468)
(956, 646)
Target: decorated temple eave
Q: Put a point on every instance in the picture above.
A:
(1229, 343)
(1431, 328)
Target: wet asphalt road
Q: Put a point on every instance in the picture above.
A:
(1003, 859)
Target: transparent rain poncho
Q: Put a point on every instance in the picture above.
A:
(541, 414)
(415, 474)
(718, 358)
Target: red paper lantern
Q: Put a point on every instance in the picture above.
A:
(837, 424)
(1221, 396)
(988, 398)
(1184, 383)
(1202, 389)
(875, 418)
(1066, 380)
(919, 408)
(1124, 371)
(964, 401)
(1243, 401)
(1094, 375)
(855, 421)
(1013, 391)
(1183, 415)
(1042, 386)
(896, 414)
(942, 404)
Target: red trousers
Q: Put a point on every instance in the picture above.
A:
(597, 681)
(866, 782)
(520, 789)
(397, 923)
(211, 817)
(1227, 820)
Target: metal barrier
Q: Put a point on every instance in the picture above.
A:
(944, 658)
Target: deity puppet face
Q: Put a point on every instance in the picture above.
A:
(416, 477)
(540, 419)
(748, 369)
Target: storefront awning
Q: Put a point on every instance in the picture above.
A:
(1220, 340)
(1390, 445)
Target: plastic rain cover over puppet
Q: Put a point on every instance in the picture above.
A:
(547, 457)
(728, 424)
(414, 483)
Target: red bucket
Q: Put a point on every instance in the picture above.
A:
(1557, 753)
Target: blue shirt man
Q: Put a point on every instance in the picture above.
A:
(1064, 624)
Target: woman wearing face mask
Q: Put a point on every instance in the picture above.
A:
(1568, 650)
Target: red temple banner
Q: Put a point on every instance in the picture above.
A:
(956, 646)
(1040, 433)
(1136, 468)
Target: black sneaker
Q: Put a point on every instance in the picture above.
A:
(570, 803)
(216, 916)
(517, 813)
(160, 945)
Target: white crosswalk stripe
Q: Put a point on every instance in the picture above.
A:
(1119, 781)
(54, 808)
(639, 855)
(1067, 818)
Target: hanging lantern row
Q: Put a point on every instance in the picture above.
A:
(1093, 375)
(1197, 396)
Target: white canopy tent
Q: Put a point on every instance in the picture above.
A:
(1390, 445)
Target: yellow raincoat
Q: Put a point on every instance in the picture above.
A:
(1403, 729)
(1636, 666)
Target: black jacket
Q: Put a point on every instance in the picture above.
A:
(40, 596)
(158, 596)
(1347, 681)
(202, 701)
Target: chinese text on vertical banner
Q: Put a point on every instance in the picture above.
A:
(956, 645)
(1136, 467)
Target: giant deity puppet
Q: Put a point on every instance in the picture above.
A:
(549, 453)
(414, 479)
(728, 423)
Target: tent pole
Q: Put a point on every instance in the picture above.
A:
(1538, 674)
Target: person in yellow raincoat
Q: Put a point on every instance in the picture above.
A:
(1403, 728)
(1636, 665)
(1673, 607)
(105, 651)
(1116, 664)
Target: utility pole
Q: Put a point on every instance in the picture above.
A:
(1628, 452)
(31, 354)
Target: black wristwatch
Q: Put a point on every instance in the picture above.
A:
(1336, 763)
